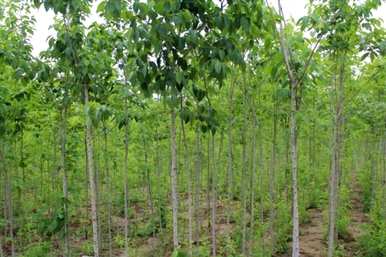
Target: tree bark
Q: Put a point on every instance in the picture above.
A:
(109, 190)
(8, 204)
(197, 186)
(272, 172)
(336, 161)
(63, 139)
(190, 178)
(294, 82)
(126, 179)
(244, 181)
(253, 176)
(173, 175)
(229, 182)
(213, 198)
(294, 172)
(91, 174)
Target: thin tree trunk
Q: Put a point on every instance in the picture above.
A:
(126, 180)
(244, 183)
(8, 208)
(383, 181)
(272, 173)
(1, 248)
(174, 177)
(87, 179)
(190, 178)
(336, 162)
(109, 191)
(208, 184)
(92, 174)
(253, 176)
(213, 198)
(159, 174)
(229, 182)
(63, 138)
(293, 136)
(197, 186)
(147, 177)
(8, 205)
(294, 172)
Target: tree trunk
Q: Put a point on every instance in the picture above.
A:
(213, 198)
(173, 175)
(336, 162)
(294, 172)
(293, 137)
(147, 177)
(253, 177)
(63, 139)
(126, 180)
(190, 178)
(109, 191)
(229, 177)
(272, 173)
(197, 186)
(159, 194)
(244, 181)
(8, 204)
(91, 174)
(1, 248)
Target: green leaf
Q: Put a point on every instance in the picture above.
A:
(179, 77)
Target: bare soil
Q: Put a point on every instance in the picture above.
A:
(312, 240)
(358, 218)
(312, 243)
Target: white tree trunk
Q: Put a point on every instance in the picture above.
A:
(126, 182)
(294, 171)
(91, 174)
(336, 161)
(173, 175)
(213, 200)
(63, 138)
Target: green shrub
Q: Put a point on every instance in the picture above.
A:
(373, 242)
(41, 249)
(343, 218)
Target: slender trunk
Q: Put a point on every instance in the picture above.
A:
(272, 174)
(1, 248)
(197, 186)
(373, 175)
(109, 191)
(190, 202)
(229, 182)
(253, 176)
(294, 171)
(244, 183)
(147, 177)
(22, 154)
(63, 138)
(208, 184)
(293, 136)
(8, 205)
(213, 199)
(91, 174)
(383, 181)
(173, 174)
(336, 161)
(160, 182)
(126, 180)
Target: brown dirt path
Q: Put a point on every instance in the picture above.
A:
(311, 236)
(358, 218)
(312, 241)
